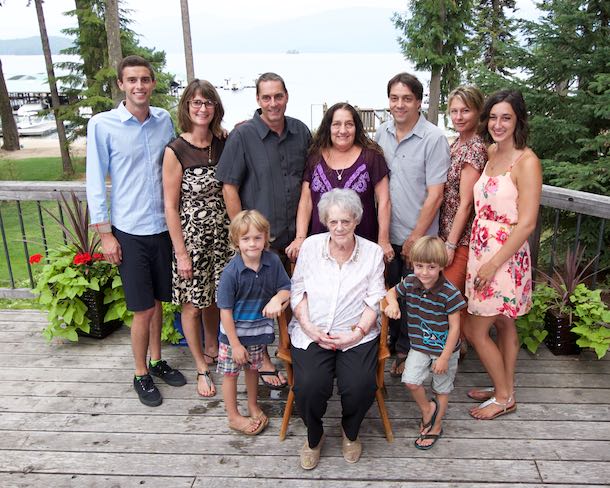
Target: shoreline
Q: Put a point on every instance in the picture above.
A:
(44, 147)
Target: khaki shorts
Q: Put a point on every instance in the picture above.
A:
(418, 369)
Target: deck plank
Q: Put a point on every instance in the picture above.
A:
(69, 417)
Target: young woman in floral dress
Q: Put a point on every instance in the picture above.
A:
(498, 279)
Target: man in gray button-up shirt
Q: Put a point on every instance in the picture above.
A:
(417, 153)
(262, 166)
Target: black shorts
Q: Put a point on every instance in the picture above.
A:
(146, 269)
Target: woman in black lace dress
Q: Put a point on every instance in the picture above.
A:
(197, 221)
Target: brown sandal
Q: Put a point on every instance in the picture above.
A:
(246, 430)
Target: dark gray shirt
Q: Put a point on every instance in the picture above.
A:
(268, 169)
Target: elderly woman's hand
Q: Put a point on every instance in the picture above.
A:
(321, 338)
(347, 339)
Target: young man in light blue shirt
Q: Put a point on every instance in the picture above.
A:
(127, 143)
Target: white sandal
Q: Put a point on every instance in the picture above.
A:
(505, 408)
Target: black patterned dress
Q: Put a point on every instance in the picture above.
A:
(204, 221)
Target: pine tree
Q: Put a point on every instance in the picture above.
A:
(91, 80)
(493, 50)
(568, 63)
(433, 37)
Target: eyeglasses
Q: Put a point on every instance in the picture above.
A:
(202, 103)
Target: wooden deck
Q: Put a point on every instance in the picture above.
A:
(69, 417)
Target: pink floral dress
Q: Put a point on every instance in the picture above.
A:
(496, 214)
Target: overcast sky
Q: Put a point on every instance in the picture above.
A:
(17, 20)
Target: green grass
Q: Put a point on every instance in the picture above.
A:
(38, 169)
(33, 239)
(33, 169)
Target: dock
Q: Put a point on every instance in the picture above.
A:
(70, 418)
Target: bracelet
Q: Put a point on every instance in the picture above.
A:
(300, 237)
(450, 245)
(359, 328)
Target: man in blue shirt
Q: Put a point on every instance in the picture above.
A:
(261, 168)
(127, 143)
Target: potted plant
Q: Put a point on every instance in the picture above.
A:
(530, 327)
(82, 292)
(575, 316)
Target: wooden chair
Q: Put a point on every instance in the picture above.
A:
(283, 352)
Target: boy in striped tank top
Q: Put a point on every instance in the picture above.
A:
(432, 305)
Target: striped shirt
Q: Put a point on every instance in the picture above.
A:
(427, 321)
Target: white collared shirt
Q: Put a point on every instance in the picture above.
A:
(336, 295)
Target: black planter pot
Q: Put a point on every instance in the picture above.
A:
(96, 310)
(560, 340)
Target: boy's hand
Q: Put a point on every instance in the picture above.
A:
(392, 311)
(240, 354)
(440, 366)
(273, 309)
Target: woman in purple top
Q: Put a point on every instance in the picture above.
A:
(343, 156)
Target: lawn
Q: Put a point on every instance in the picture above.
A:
(38, 169)
(34, 169)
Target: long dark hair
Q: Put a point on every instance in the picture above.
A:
(321, 139)
(515, 99)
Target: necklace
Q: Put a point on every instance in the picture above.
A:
(210, 153)
(339, 173)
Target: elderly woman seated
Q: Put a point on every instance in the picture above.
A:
(336, 288)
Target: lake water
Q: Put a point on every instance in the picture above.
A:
(312, 79)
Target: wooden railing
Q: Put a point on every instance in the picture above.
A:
(33, 228)
(371, 118)
(17, 246)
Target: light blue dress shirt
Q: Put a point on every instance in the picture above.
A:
(131, 152)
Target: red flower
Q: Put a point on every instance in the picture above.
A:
(35, 258)
(98, 256)
(491, 186)
(502, 235)
(82, 258)
(511, 309)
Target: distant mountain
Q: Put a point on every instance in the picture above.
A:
(358, 29)
(32, 45)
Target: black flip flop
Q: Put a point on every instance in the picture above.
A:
(213, 358)
(422, 437)
(432, 420)
(275, 372)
